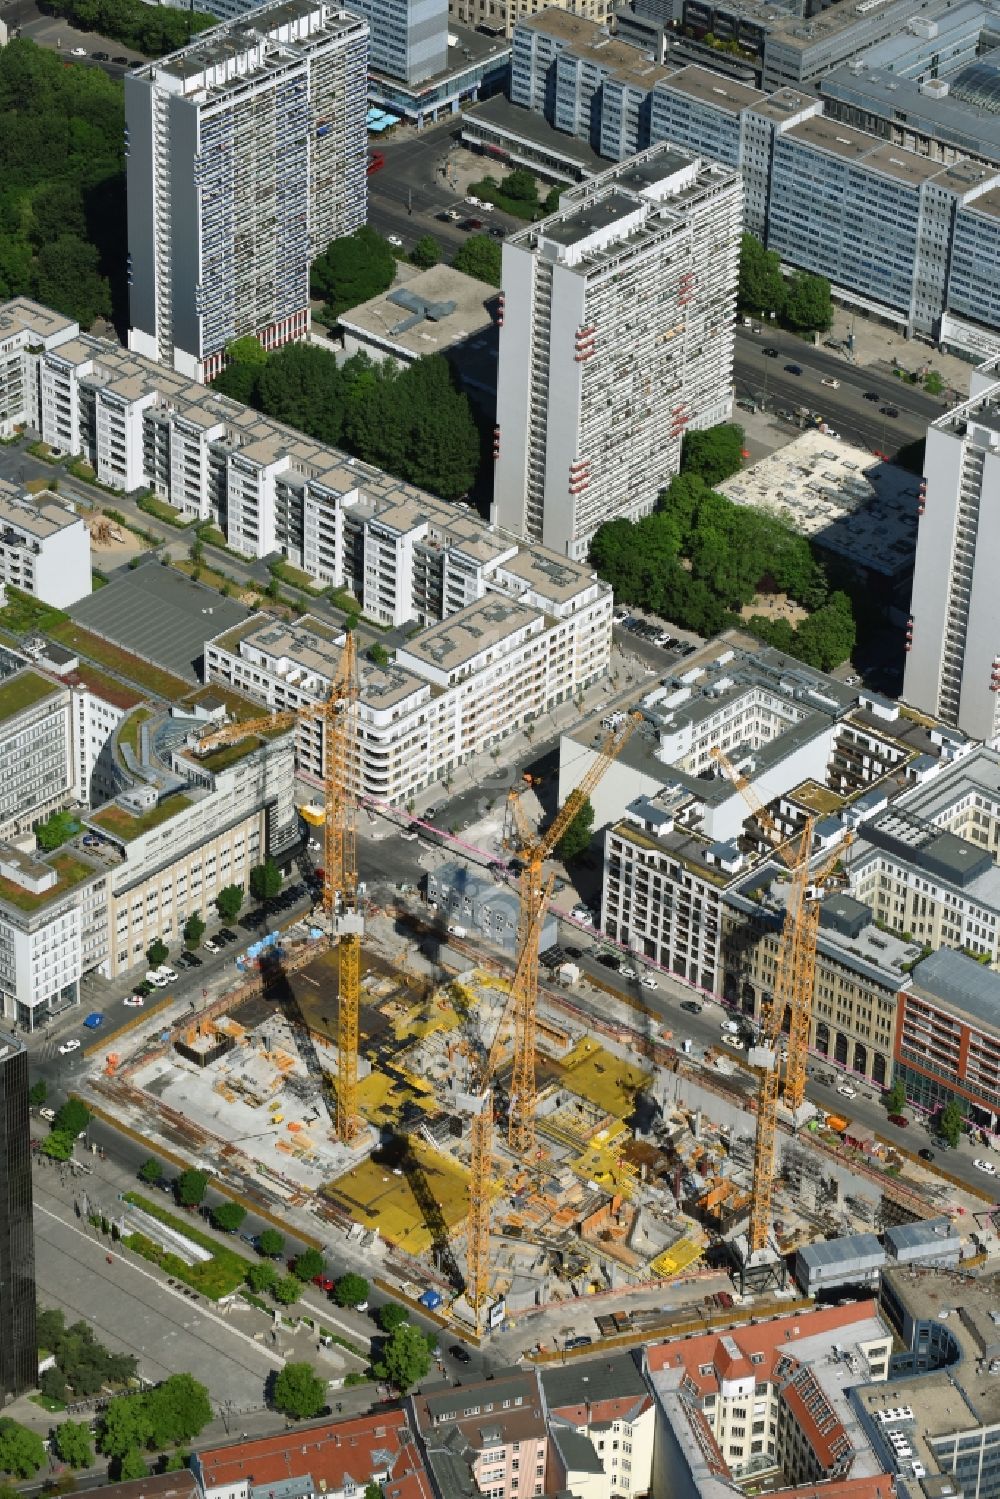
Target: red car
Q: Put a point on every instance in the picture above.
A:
(898, 1119)
(324, 1282)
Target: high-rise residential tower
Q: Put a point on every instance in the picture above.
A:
(617, 336)
(246, 156)
(409, 38)
(953, 635)
(18, 1343)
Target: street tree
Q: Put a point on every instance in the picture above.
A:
(58, 1146)
(405, 1358)
(228, 1216)
(287, 1290)
(308, 1264)
(265, 880)
(178, 1409)
(52, 1384)
(38, 1093)
(480, 256)
(194, 930)
(299, 1392)
(262, 1277)
(270, 1243)
(73, 1445)
(125, 1426)
(72, 1118)
(132, 1465)
(22, 1452)
(229, 902)
(391, 1315)
(713, 454)
(151, 1170)
(191, 1187)
(576, 839)
(351, 1290)
(426, 252)
(157, 953)
(950, 1122)
(808, 304)
(761, 284)
(895, 1099)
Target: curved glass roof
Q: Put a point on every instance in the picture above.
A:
(978, 84)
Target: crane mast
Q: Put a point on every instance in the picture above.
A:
(338, 714)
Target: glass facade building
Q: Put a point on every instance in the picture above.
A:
(18, 1342)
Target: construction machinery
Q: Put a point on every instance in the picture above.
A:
(341, 896)
(794, 985)
(533, 850)
(520, 1009)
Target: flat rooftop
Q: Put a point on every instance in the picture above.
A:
(464, 635)
(40, 515)
(22, 315)
(963, 984)
(71, 869)
(23, 689)
(886, 92)
(430, 313)
(499, 119)
(838, 495)
(713, 89)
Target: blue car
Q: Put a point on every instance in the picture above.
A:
(93, 1020)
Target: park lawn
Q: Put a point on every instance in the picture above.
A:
(220, 1276)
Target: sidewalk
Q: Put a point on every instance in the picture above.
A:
(876, 346)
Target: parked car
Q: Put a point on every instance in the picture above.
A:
(628, 973)
(134, 1001)
(157, 980)
(122, 62)
(691, 1006)
(395, 241)
(899, 1120)
(846, 1091)
(48, 1115)
(609, 960)
(79, 52)
(212, 945)
(925, 1154)
(649, 981)
(986, 1166)
(461, 1354)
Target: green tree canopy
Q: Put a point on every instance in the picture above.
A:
(895, 1099)
(125, 1426)
(270, 1243)
(57, 1145)
(808, 305)
(72, 1117)
(38, 1092)
(178, 1409)
(21, 1450)
(308, 1264)
(248, 350)
(191, 1187)
(194, 929)
(391, 1315)
(73, 1445)
(299, 1392)
(713, 454)
(134, 24)
(520, 183)
(351, 1290)
(151, 1170)
(576, 839)
(405, 1357)
(229, 902)
(55, 830)
(132, 1465)
(950, 1122)
(287, 1290)
(157, 953)
(265, 880)
(481, 257)
(426, 252)
(761, 284)
(352, 269)
(262, 1277)
(228, 1216)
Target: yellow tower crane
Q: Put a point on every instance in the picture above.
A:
(533, 851)
(794, 986)
(338, 715)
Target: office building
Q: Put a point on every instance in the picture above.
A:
(913, 239)
(408, 41)
(953, 638)
(770, 1402)
(18, 1343)
(477, 902)
(52, 920)
(948, 1037)
(936, 1424)
(246, 156)
(617, 337)
(501, 16)
(36, 747)
(44, 546)
(475, 64)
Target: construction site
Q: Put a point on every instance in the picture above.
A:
(493, 1137)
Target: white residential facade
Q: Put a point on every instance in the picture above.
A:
(617, 336)
(44, 546)
(36, 750)
(52, 930)
(953, 636)
(246, 156)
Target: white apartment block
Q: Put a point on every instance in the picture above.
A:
(953, 636)
(536, 634)
(51, 931)
(170, 848)
(95, 723)
(246, 156)
(44, 546)
(36, 749)
(26, 327)
(617, 336)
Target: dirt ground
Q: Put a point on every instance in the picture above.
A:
(774, 606)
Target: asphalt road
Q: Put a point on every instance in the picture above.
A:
(59, 36)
